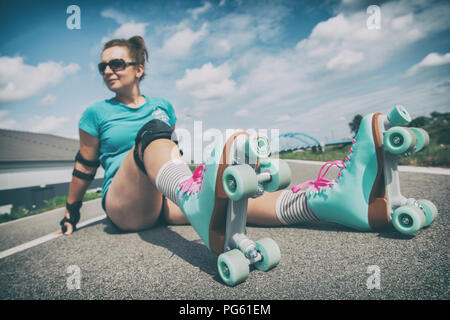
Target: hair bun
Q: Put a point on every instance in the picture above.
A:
(137, 41)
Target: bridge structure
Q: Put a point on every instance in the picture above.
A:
(293, 141)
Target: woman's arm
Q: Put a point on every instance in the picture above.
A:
(82, 178)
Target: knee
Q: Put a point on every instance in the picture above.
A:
(151, 131)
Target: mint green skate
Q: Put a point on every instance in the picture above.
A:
(366, 194)
(215, 202)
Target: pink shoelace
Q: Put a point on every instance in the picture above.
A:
(321, 182)
(194, 183)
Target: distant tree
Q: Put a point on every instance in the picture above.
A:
(441, 118)
(420, 122)
(354, 125)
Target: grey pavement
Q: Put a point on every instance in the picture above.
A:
(319, 261)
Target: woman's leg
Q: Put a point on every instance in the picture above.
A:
(133, 202)
(261, 211)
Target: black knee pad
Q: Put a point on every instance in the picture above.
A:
(152, 130)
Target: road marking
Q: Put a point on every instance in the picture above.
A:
(429, 170)
(51, 236)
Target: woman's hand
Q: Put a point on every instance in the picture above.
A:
(68, 225)
(71, 217)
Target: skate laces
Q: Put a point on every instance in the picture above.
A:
(194, 183)
(321, 182)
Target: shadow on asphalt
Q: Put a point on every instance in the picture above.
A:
(193, 252)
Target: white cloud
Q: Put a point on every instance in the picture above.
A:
(402, 22)
(241, 113)
(179, 44)
(200, 10)
(48, 100)
(283, 117)
(19, 81)
(238, 32)
(345, 59)
(5, 122)
(117, 16)
(207, 82)
(47, 124)
(431, 60)
(39, 124)
(127, 30)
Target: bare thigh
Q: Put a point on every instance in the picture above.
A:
(132, 201)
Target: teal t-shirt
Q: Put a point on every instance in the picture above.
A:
(116, 126)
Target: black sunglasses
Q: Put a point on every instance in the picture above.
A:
(115, 65)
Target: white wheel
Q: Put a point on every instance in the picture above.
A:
(233, 267)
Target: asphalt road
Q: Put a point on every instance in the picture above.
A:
(319, 261)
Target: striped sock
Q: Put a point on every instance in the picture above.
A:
(169, 177)
(293, 208)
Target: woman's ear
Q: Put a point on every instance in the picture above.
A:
(139, 71)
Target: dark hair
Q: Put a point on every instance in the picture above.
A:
(136, 47)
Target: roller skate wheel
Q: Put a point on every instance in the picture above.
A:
(399, 116)
(422, 138)
(280, 173)
(239, 181)
(408, 219)
(233, 267)
(257, 147)
(429, 209)
(398, 140)
(270, 253)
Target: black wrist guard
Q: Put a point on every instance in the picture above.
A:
(74, 212)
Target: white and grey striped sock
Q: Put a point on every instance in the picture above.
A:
(169, 177)
(293, 208)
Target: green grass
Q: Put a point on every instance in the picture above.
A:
(330, 154)
(57, 202)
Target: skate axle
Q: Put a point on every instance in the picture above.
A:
(247, 247)
(264, 177)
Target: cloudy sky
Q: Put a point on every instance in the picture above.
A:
(302, 66)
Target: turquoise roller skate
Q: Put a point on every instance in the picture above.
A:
(215, 201)
(366, 193)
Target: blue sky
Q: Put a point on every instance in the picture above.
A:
(304, 66)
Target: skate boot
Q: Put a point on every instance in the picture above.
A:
(215, 201)
(366, 193)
